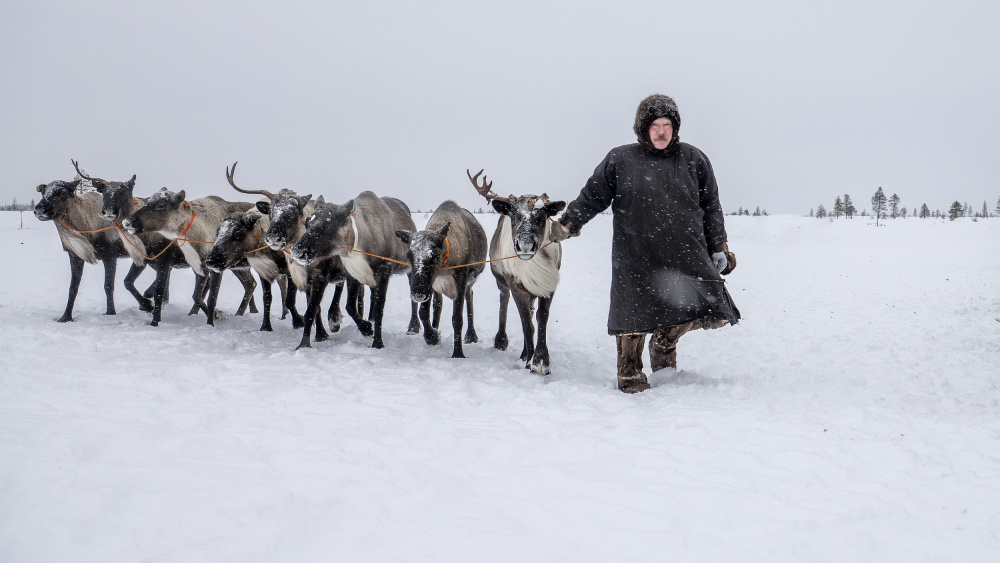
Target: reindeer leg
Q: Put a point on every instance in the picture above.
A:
(75, 274)
(525, 307)
(456, 322)
(470, 334)
(133, 272)
(249, 285)
(315, 295)
(159, 290)
(199, 295)
(334, 316)
(110, 268)
(265, 287)
(215, 281)
(438, 306)
(283, 288)
(321, 334)
(378, 307)
(500, 341)
(431, 336)
(355, 306)
(290, 302)
(540, 359)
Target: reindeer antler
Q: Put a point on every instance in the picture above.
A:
(484, 190)
(230, 175)
(84, 176)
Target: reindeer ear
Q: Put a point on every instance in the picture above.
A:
(131, 183)
(264, 207)
(40, 188)
(502, 207)
(249, 220)
(320, 201)
(99, 186)
(303, 201)
(179, 197)
(405, 236)
(554, 207)
(443, 231)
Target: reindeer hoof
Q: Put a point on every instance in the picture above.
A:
(541, 368)
(432, 337)
(366, 329)
(303, 345)
(458, 354)
(266, 328)
(322, 337)
(378, 344)
(154, 323)
(146, 306)
(471, 337)
(335, 327)
(500, 342)
(65, 319)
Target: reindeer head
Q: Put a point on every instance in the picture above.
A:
(118, 198)
(327, 232)
(286, 213)
(528, 215)
(163, 211)
(57, 197)
(428, 251)
(235, 237)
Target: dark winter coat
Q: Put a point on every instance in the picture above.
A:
(667, 223)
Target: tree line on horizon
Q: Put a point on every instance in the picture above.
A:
(883, 207)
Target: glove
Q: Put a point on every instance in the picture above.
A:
(720, 261)
(574, 230)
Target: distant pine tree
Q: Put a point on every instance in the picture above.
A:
(986, 210)
(894, 206)
(756, 212)
(849, 209)
(811, 212)
(924, 211)
(820, 212)
(956, 210)
(902, 213)
(878, 204)
(838, 207)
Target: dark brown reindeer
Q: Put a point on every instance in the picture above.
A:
(446, 257)
(241, 237)
(286, 224)
(362, 233)
(86, 237)
(192, 225)
(525, 231)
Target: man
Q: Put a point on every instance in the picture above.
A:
(670, 247)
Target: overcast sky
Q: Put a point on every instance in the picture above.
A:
(793, 102)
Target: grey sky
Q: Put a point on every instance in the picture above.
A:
(793, 102)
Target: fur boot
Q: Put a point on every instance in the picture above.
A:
(630, 376)
(663, 345)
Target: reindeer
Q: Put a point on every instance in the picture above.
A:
(525, 230)
(240, 237)
(118, 203)
(362, 233)
(169, 214)
(286, 216)
(86, 236)
(441, 258)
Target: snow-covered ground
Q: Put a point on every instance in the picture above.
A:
(854, 415)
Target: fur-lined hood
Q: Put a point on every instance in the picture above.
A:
(651, 109)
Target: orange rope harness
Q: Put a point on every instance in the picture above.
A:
(111, 226)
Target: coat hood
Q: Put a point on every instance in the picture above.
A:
(651, 109)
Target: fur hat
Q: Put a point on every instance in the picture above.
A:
(651, 109)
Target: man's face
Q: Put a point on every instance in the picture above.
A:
(660, 133)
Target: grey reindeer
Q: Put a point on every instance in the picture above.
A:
(193, 225)
(446, 258)
(362, 233)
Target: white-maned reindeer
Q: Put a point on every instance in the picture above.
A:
(525, 231)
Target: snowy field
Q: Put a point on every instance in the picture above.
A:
(854, 415)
